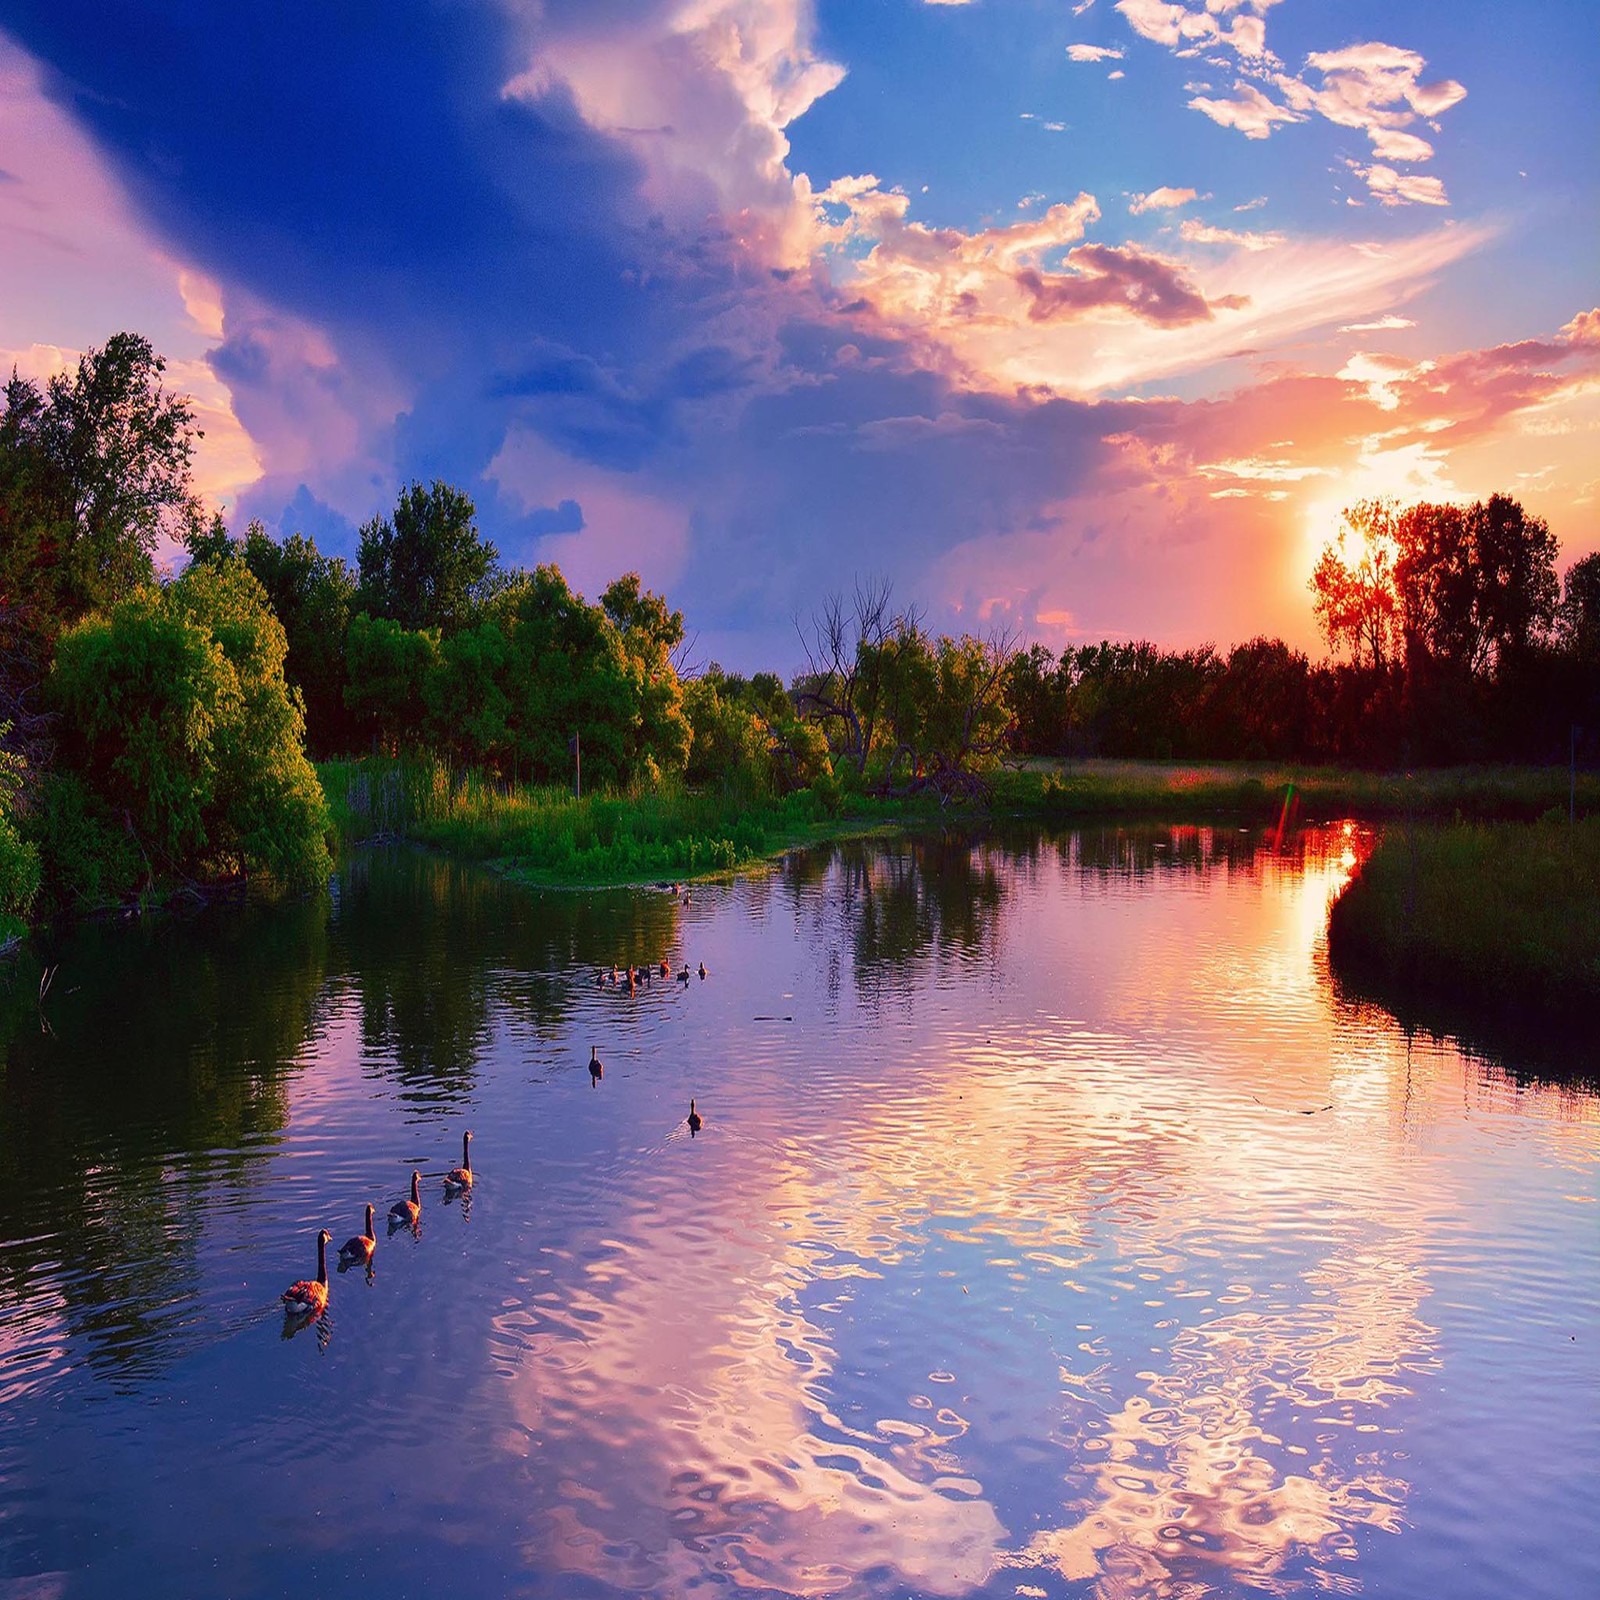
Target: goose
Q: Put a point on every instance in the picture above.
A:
(460, 1178)
(696, 1121)
(408, 1213)
(666, 971)
(596, 1067)
(309, 1297)
(683, 976)
(702, 969)
(357, 1250)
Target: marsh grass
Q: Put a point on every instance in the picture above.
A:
(1505, 915)
(1059, 790)
(544, 835)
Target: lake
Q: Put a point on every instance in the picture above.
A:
(1057, 1227)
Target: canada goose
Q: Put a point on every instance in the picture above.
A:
(408, 1213)
(683, 976)
(600, 980)
(461, 1177)
(702, 969)
(596, 1067)
(666, 971)
(309, 1297)
(357, 1250)
(696, 1121)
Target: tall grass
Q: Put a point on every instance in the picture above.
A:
(1508, 915)
(1057, 790)
(544, 835)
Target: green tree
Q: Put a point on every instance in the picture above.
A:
(180, 729)
(1476, 585)
(427, 567)
(1578, 621)
(387, 672)
(94, 472)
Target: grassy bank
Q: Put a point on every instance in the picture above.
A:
(1505, 917)
(543, 835)
(1063, 790)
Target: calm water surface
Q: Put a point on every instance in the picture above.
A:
(1057, 1228)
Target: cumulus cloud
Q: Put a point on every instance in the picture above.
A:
(1376, 88)
(1373, 87)
(1192, 31)
(1165, 198)
(1247, 109)
(1093, 52)
(1099, 277)
(1392, 188)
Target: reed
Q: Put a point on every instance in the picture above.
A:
(544, 835)
(1062, 790)
(1507, 915)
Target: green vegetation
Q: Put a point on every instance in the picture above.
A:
(544, 835)
(1505, 917)
(1059, 791)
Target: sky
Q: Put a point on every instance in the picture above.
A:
(1072, 319)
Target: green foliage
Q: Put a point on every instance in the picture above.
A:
(19, 860)
(543, 834)
(428, 567)
(179, 723)
(94, 470)
(89, 855)
(387, 669)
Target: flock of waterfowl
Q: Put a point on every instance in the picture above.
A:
(306, 1300)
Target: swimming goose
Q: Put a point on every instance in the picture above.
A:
(683, 976)
(596, 1067)
(357, 1250)
(409, 1212)
(309, 1297)
(702, 969)
(696, 1121)
(460, 1178)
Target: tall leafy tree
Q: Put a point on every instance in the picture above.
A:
(427, 566)
(95, 470)
(181, 733)
(1476, 585)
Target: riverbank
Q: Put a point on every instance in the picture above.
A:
(1066, 790)
(545, 836)
(1503, 918)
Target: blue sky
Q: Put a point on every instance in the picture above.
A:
(1079, 320)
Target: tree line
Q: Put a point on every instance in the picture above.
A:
(158, 732)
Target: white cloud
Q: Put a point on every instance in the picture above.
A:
(1378, 89)
(1385, 324)
(1166, 198)
(1391, 188)
(1196, 232)
(1250, 111)
(1093, 52)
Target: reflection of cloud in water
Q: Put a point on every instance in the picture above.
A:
(1191, 1485)
(710, 1430)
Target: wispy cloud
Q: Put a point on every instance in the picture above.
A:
(1166, 198)
(1196, 232)
(1389, 323)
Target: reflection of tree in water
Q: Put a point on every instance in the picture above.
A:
(438, 945)
(163, 1073)
(1563, 1052)
(903, 906)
